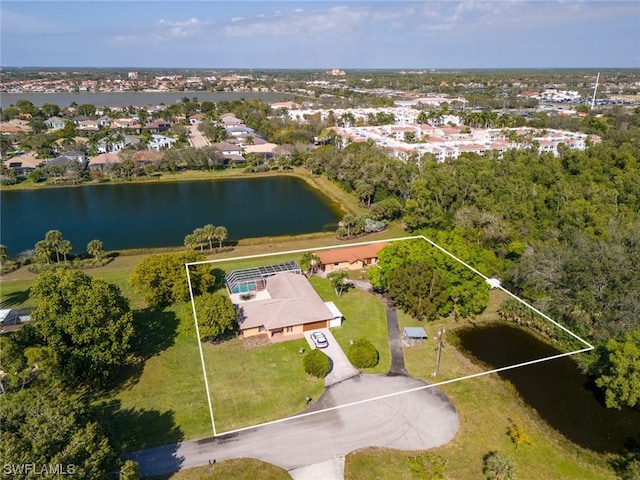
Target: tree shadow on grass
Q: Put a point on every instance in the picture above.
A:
(132, 430)
(14, 298)
(155, 331)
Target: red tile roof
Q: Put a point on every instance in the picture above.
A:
(350, 254)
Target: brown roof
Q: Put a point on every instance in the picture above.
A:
(293, 302)
(351, 254)
(105, 159)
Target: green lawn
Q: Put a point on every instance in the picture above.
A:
(164, 400)
(485, 406)
(238, 469)
(365, 317)
(256, 385)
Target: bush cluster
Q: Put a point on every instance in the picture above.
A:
(362, 354)
(316, 363)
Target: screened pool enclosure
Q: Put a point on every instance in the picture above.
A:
(254, 279)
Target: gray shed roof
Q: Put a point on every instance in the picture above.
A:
(415, 332)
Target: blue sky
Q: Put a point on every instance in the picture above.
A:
(325, 34)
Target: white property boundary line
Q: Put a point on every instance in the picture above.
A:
(380, 397)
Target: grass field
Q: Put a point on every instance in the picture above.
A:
(237, 469)
(485, 407)
(163, 399)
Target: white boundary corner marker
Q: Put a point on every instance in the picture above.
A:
(587, 348)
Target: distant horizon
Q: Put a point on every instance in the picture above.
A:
(318, 69)
(316, 35)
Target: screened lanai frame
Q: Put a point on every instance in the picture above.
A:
(254, 279)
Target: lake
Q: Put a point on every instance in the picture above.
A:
(147, 215)
(139, 99)
(557, 389)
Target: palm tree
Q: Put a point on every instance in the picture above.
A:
(209, 233)
(308, 261)
(95, 249)
(348, 221)
(200, 237)
(65, 248)
(43, 251)
(53, 239)
(498, 466)
(3, 254)
(190, 241)
(422, 117)
(221, 235)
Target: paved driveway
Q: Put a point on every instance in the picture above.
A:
(341, 367)
(422, 419)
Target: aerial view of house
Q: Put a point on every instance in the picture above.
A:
(278, 300)
(349, 258)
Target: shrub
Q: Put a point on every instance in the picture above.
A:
(316, 363)
(498, 466)
(362, 354)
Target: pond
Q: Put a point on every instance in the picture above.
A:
(557, 389)
(148, 215)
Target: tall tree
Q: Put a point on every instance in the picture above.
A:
(217, 315)
(209, 232)
(337, 279)
(162, 278)
(419, 289)
(95, 248)
(3, 254)
(65, 249)
(221, 234)
(618, 370)
(44, 429)
(54, 239)
(86, 322)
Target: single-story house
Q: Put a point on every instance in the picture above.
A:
(160, 142)
(229, 119)
(23, 165)
(104, 161)
(70, 158)
(349, 258)
(55, 123)
(265, 150)
(239, 130)
(288, 305)
(196, 119)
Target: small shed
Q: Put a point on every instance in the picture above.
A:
(414, 334)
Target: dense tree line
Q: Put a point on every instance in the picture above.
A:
(562, 231)
(81, 337)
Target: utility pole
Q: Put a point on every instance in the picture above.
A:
(440, 340)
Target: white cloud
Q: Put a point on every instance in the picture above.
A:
(168, 31)
(300, 23)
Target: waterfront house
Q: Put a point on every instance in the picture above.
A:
(104, 161)
(278, 300)
(23, 165)
(349, 258)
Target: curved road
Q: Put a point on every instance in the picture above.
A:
(418, 420)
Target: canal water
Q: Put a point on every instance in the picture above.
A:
(147, 215)
(557, 389)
